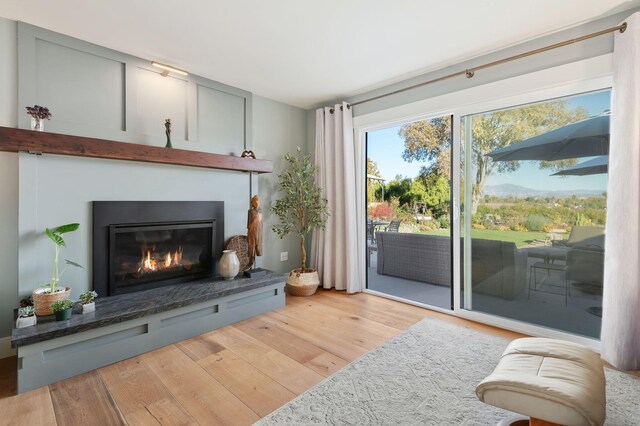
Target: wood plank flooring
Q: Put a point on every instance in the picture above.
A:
(231, 376)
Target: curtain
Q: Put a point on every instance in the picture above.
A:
(335, 251)
(621, 299)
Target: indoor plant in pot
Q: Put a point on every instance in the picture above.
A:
(62, 309)
(44, 297)
(86, 299)
(301, 210)
(26, 317)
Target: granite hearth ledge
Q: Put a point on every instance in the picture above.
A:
(124, 307)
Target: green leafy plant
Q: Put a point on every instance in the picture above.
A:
(26, 301)
(302, 208)
(61, 305)
(27, 311)
(55, 235)
(88, 297)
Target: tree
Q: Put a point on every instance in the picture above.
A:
(430, 140)
(302, 207)
(372, 184)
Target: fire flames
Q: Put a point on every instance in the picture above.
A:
(152, 261)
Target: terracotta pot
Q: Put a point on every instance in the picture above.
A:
(42, 301)
(302, 284)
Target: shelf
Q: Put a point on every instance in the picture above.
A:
(15, 140)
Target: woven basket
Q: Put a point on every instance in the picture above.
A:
(304, 284)
(43, 301)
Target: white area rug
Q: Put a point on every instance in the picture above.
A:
(427, 376)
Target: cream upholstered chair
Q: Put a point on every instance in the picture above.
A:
(552, 381)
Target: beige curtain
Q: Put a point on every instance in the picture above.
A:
(334, 252)
(621, 300)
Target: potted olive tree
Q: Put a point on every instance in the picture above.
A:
(301, 210)
(45, 296)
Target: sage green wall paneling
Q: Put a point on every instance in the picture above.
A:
(221, 120)
(80, 88)
(44, 205)
(159, 98)
(8, 178)
(278, 128)
(97, 92)
(9, 240)
(84, 85)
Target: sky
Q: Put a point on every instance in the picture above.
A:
(385, 147)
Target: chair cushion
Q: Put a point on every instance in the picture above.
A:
(552, 380)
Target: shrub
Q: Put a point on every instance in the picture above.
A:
(478, 226)
(382, 211)
(536, 222)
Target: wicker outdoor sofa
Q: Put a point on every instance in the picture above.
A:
(498, 267)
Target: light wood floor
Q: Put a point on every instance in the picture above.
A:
(234, 375)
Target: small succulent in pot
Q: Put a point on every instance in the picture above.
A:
(26, 317)
(88, 297)
(62, 309)
(27, 311)
(88, 305)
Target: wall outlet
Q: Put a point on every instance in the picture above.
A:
(284, 255)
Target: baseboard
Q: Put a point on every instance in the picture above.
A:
(5, 347)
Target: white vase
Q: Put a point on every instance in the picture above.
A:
(89, 307)
(22, 322)
(229, 264)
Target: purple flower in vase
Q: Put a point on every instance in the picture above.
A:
(39, 112)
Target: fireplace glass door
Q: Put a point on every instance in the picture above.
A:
(153, 254)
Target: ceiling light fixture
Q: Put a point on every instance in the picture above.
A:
(166, 69)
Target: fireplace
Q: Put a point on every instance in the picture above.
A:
(148, 244)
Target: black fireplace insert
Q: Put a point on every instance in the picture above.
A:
(148, 244)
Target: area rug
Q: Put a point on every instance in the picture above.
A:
(427, 376)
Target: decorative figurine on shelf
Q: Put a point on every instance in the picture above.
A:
(167, 127)
(38, 115)
(254, 236)
(247, 153)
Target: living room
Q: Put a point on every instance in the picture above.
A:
(183, 119)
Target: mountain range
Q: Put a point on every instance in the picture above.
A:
(510, 190)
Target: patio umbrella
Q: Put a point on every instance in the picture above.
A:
(595, 166)
(586, 138)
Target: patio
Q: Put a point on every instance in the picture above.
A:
(545, 307)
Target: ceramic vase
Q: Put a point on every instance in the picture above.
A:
(26, 321)
(64, 314)
(88, 307)
(229, 264)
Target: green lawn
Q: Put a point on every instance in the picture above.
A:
(520, 238)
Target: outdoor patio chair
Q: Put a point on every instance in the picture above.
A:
(394, 226)
(583, 236)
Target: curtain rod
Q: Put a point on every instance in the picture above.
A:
(470, 72)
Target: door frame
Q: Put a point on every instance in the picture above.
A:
(565, 80)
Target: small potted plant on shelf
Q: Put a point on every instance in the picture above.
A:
(86, 299)
(44, 297)
(38, 115)
(62, 309)
(301, 210)
(26, 317)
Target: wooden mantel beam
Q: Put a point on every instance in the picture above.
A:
(15, 140)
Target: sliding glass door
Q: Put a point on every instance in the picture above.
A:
(409, 241)
(534, 212)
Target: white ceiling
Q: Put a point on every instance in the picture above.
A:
(302, 52)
